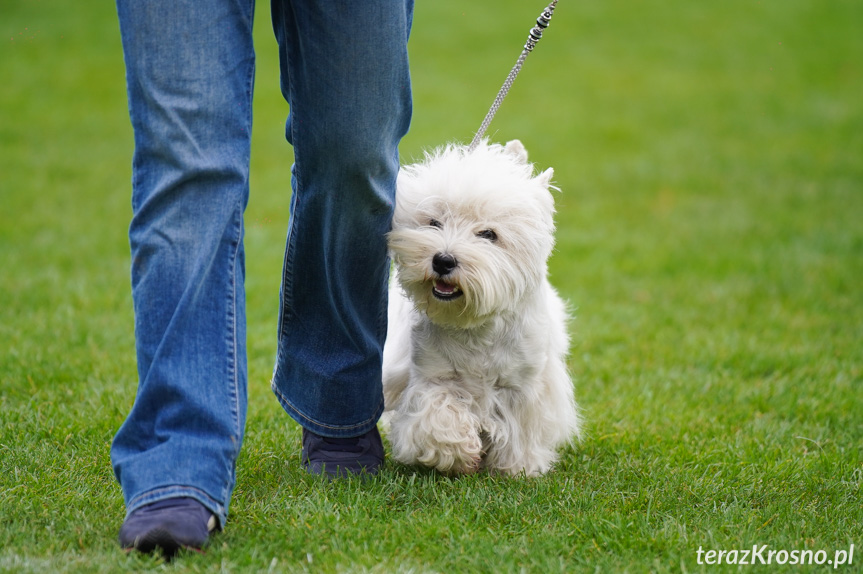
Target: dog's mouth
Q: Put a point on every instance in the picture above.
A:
(444, 291)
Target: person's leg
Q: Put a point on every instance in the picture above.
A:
(344, 68)
(189, 71)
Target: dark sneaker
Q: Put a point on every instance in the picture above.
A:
(340, 457)
(168, 525)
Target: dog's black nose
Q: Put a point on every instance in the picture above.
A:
(443, 263)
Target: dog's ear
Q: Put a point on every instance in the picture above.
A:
(516, 148)
(545, 178)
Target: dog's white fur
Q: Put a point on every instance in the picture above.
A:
(480, 380)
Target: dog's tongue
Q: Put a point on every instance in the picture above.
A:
(444, 288)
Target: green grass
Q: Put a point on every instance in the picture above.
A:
(710, 156)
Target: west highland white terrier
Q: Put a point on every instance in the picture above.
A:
(474, 368)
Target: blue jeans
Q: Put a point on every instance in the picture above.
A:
(190, 72)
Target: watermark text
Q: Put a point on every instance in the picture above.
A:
(765, 555)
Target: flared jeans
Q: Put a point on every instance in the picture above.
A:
(190, 69)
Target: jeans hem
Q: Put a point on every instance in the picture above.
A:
(324, 429)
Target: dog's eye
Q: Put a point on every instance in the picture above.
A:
(488, 234)
(435, 223)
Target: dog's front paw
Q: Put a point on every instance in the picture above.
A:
(462, 457)
(435, 427)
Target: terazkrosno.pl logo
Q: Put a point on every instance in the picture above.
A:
(765, 555)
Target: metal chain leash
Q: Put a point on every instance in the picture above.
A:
(534, 36)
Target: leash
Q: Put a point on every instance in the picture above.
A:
(534, 36)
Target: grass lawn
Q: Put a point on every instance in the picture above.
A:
(710, 156)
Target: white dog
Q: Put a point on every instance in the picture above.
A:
(474, 363)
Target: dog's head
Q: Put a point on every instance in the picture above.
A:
(472, 231)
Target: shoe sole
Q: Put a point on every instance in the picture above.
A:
(162, 540)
